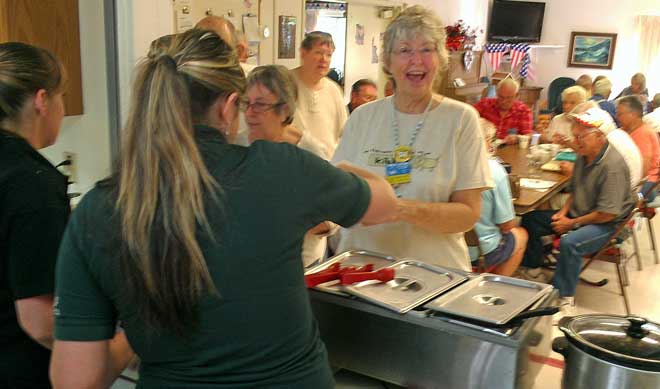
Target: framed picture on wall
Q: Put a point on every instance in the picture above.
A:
(286, 39)
(591, 50)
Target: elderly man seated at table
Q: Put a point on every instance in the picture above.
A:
(501, 242)
(600, 198)
(510, 116)
(619, 139)
(629, 111)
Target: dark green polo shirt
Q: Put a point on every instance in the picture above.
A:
(261, 332)
(603, 185)
(34, 209)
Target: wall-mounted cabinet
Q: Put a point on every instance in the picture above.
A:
(53, 25)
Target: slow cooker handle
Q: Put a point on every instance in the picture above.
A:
(560, 345)
(635, 329)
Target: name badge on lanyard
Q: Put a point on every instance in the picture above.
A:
(399, 172)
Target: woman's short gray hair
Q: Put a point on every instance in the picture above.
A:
(280, 82)
(411, 22)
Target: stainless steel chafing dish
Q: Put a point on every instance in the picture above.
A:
(349, 258)
(490, 298)
(414, 283)
(428, 348)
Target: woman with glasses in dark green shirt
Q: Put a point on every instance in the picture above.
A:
(194, 244)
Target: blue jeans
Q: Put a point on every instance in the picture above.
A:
(572, 247)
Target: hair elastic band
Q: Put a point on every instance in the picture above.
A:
(169, 60)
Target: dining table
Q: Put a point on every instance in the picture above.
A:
(530, 199)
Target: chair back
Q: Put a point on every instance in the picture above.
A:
(554, 92)
(472, 240)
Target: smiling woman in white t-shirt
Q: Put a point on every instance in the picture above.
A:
(429, 146)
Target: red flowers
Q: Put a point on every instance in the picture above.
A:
(459, 34)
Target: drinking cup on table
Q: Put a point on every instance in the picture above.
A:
(536, 139)
(523, 141)
(545, 156)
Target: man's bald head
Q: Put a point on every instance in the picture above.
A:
(226, 30)
(221, 26)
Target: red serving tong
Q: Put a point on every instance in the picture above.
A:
(348, 275)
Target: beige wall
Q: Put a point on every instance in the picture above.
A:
(358, 57)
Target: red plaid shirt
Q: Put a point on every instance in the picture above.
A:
(518, 117)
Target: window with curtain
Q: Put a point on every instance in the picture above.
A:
(648, 28)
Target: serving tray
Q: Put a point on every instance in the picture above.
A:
(414, 283)
(490, 298)
(350, 258)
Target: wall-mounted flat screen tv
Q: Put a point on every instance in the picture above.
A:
(515, 21)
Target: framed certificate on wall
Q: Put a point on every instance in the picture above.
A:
(286, 39)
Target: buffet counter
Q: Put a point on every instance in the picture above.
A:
(424, 349)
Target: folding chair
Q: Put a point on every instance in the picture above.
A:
(647, 212)
(611, 252)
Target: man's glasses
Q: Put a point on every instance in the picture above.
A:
(258, 107)
(581, 137)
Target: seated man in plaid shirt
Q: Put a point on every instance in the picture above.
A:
(510, 116)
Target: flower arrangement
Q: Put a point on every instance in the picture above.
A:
(460, 35)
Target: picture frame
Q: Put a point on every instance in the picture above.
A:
(286, 40)
(591, 50)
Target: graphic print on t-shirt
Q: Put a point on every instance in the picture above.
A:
(421, 159)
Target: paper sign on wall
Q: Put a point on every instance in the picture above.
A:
(183, 21)
(359, 34)
(251, 28)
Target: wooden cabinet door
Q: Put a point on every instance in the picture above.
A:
(53, 25)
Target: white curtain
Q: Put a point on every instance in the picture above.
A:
(648, 28)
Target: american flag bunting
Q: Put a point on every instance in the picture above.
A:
(495, 53)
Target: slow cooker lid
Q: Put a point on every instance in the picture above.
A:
(628, 340)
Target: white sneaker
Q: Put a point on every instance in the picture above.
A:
(567, 308)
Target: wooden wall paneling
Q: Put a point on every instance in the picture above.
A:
(53, 25)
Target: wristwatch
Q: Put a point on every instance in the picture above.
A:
(576, 225)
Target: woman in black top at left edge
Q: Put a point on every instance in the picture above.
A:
(34, 210)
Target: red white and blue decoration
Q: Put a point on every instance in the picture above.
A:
(519, 55)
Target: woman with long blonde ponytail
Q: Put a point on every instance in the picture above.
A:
(193, 244)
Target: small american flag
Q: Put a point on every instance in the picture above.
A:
(495, 53)
(526, 70)
(518, 52)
